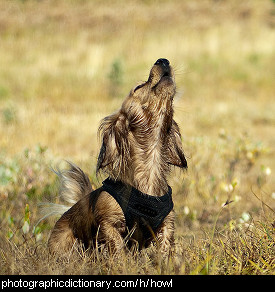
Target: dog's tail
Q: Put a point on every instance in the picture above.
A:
(74, 184)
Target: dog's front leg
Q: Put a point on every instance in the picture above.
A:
(112, 237)
(165, 234)
(111, 222)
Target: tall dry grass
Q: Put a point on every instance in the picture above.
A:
(65, 65)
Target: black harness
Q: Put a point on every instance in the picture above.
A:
(139, 208)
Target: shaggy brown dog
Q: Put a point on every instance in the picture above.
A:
(140, 142)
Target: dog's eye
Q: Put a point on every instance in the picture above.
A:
(138, 87)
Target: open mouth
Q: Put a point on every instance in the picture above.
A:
(166, 74)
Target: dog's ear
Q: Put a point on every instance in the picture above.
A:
(114, 131)
(175, 152)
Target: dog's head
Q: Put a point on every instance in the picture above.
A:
(144, 121)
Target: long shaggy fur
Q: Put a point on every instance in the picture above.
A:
(140, 143)
(74, 184)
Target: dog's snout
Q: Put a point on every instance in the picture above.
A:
(162, 62)
(161, 71)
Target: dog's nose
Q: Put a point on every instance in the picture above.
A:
(163, 62)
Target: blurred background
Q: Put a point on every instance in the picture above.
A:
(65, 65)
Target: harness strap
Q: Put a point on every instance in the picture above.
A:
(139, 208)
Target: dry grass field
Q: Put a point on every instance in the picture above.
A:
(64, 65)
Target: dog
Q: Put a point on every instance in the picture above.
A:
(140, 144)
